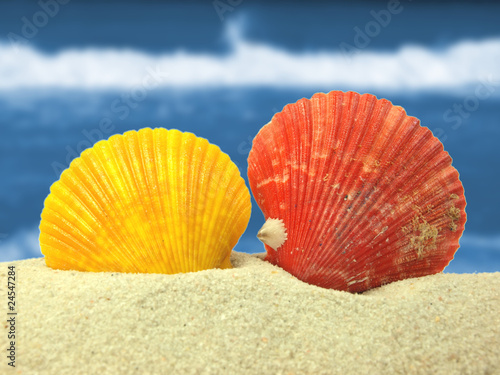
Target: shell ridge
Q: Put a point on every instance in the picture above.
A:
(328, 171)
(342, 137)
(158, 136)
(137, 176)
(88, 206)
(196, 190)
(356, 107)
(288, 133)
(157, 180)
(188, 201)
(96, 194)
(238, 194)
(313, 198)
(363, 228)
(130, 159)
(285, 135)
(264, 166)
(77, 205)
(211, 226)
(304, 111)
(403, 254)
(213, 223)
(357, 200)
(58, 244)
(286, 157)
(147, 177)
(173, 139)
(180, 196)
(163, 170)
(148, 168)
(404, 220)
(378, 187)
(107, 193)
(211, 204)
(336, 112)
(141, 180)
(52, 234)
(317, 102)
(367, 110)
(122, 157)
(218, 226)
(53, 213)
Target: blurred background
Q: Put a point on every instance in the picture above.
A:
(73, 72)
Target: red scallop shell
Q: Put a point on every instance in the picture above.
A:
(367, 195)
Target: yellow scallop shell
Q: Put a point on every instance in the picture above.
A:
(149, 201)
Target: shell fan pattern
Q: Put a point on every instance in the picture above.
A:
(356, 193)
(147, 201)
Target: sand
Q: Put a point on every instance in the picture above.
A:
(252, 319)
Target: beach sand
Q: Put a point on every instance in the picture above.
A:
(252, 319)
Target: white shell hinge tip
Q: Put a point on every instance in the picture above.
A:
(273, 233)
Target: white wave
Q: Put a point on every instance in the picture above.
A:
(411, 68)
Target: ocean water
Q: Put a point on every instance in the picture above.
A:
(62, 93)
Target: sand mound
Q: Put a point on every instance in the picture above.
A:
(253, 319)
